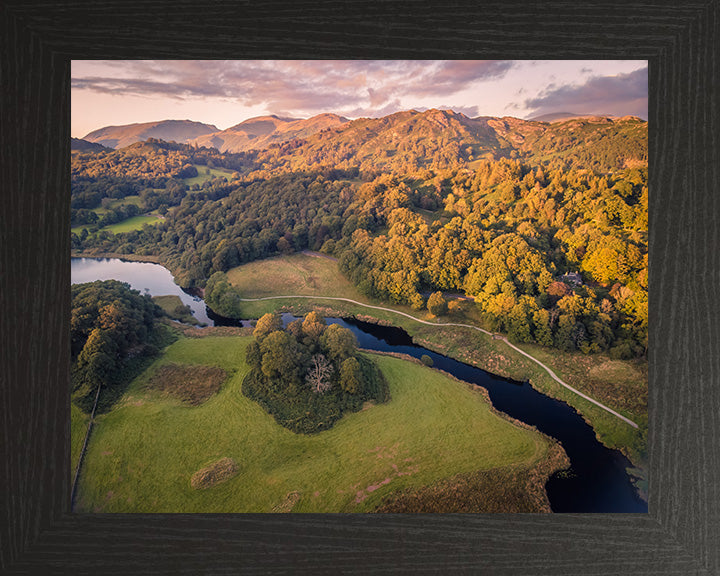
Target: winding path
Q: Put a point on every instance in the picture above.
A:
(503, 338)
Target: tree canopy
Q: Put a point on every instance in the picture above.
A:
(109, 323)
(309, 374)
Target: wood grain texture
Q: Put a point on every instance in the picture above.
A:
(680, 535)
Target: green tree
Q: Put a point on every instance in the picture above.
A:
(338, 343)
(95, 365)
(519, 325)
(565, 336)
(253, 355)
(280, 357)
(351, 376)
(543, 331)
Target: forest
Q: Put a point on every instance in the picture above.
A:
(543, 226)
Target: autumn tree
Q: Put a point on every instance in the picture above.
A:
(338, 342)
(436, 304)
(314, 325)
(267, 324)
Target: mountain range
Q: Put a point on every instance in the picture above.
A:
(260, 132)
(404, 139)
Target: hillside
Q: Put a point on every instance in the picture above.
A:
(168, 130)
(404, 141)
(80, 145)
(260, 132)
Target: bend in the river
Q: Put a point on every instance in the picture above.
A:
(503, 338)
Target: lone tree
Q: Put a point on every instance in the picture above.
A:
(319, 374)
(436, 304)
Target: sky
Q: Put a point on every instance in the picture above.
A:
(224, 93)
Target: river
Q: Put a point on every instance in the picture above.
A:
(597, 480)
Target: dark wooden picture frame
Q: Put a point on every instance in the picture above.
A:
(681, 533)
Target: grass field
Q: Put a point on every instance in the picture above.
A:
(170, 305)
(295, 274)
(143, 453)
(622, 385)
(134, 223)
(127, 200)
(203, 177)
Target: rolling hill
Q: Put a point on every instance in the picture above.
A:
(80, 145)
(260, 132)
(442, 138)
(169, 130)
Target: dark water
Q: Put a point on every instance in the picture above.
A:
(597, 480)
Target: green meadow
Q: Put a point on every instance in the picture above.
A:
(205, 174)
(144, 452)
(128, 225)
(134, 223)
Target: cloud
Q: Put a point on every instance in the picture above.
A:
(362, 87)
(619, 95)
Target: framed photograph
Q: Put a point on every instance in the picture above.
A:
(46, 529)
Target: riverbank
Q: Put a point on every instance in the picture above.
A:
(483, 491)
(493, 355)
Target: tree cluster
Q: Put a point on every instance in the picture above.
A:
(309, 374)
(233, 223)
(507, 234)
(109, 324)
